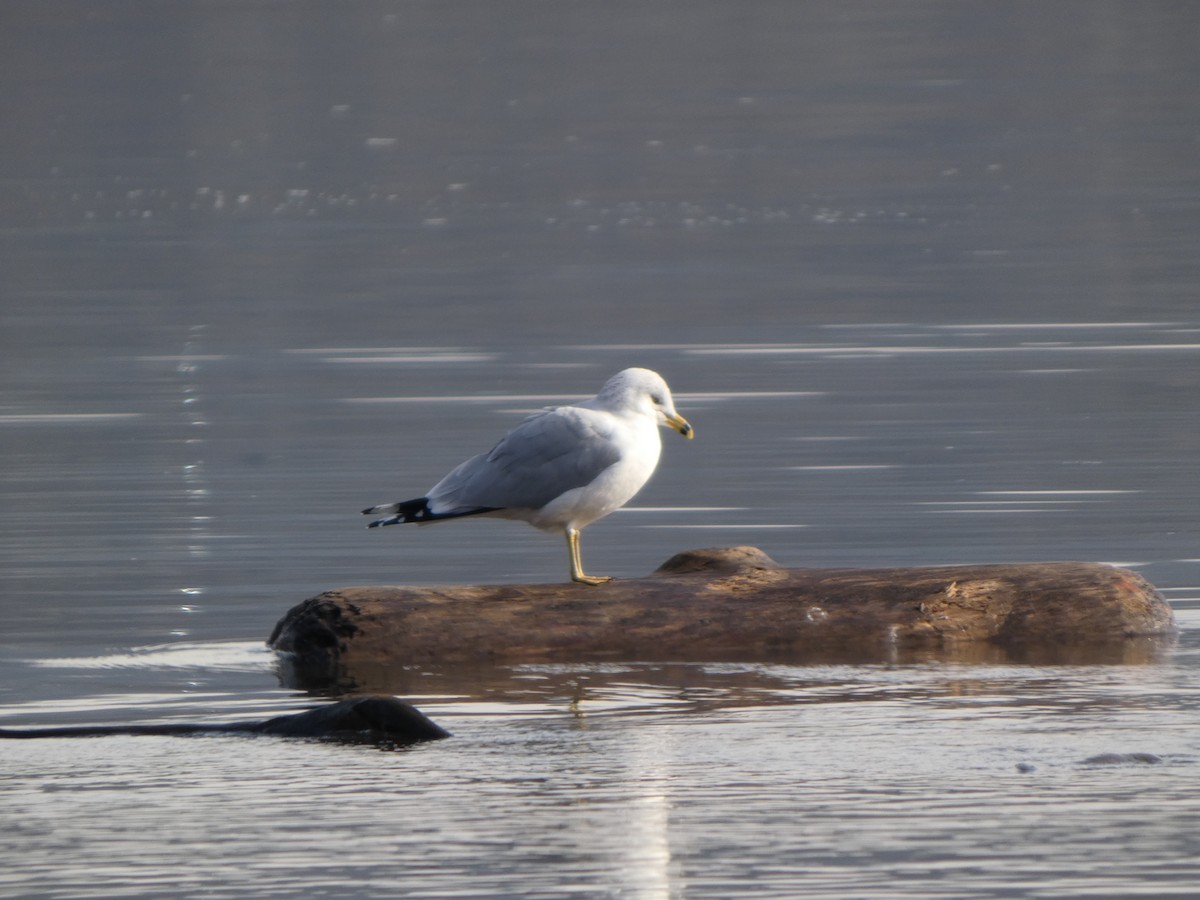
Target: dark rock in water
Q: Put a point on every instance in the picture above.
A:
(1123, 759)
(726, 604)
(378, 720)
(1026, 768)
(369, 719)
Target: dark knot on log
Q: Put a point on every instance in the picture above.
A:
(717, 561)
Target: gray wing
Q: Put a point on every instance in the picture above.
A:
(545, 456)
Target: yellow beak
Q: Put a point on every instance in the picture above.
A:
(680, 424)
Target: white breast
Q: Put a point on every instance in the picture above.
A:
(640, 445)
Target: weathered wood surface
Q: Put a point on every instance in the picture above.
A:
(733, 604)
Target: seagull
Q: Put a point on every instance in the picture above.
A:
(562, 468)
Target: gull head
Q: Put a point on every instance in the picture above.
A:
(643, 392)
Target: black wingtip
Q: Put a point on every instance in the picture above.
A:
(388, 520)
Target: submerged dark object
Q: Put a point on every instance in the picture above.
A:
(380, 720)
(728, 604)
(1123, 759)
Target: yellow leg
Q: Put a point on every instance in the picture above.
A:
(577, 564)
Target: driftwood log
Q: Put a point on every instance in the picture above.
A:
(732, 604)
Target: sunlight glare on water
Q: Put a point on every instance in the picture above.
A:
(755, 779)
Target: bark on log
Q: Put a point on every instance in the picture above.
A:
(731, 604)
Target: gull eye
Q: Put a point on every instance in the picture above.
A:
(657, 399)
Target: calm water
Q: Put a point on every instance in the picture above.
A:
(922, 275)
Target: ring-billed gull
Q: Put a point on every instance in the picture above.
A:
(562, 468)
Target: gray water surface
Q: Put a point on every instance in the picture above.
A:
(922, 275)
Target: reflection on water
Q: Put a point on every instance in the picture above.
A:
(923, 276)
(506, 684)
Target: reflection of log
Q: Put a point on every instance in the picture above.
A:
(727, 604)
